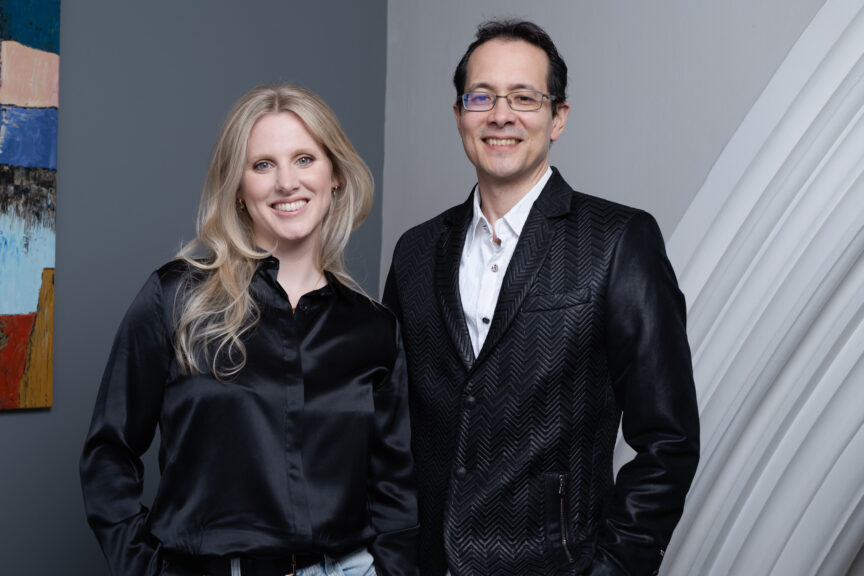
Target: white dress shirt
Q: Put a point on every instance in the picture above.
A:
(484, 262)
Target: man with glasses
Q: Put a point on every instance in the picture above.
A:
(533, 316)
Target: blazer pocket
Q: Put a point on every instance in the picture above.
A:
(541, 302)
(557, 518)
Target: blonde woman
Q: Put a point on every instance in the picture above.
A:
(279, 389)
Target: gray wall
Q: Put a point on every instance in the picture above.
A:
(144, 87)
(656, 91)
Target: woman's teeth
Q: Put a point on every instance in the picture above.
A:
(290, 206)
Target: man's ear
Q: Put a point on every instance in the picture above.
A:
(560, 120)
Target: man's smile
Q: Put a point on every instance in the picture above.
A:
(501, 141)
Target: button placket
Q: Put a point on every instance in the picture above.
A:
(488, 283)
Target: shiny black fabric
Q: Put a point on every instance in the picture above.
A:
(513, 449)
(307, 449)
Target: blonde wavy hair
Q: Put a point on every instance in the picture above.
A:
(216, 308)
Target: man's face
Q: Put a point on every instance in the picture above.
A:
(509, 149)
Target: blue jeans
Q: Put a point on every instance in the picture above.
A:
(357, 563)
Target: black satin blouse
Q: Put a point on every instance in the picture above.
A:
(307, 449)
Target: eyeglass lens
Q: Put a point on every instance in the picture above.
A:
(522, 100)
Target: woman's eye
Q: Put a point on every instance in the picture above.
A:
(304, 160)
(262, 165)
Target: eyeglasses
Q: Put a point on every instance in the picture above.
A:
(520, 101)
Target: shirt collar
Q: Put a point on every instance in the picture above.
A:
(268, 267)
(515, 218)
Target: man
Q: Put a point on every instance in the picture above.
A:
(533, 316)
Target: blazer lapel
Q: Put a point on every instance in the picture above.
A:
(448, 257)
(528, 257)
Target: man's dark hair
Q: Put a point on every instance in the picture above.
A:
(517, 30)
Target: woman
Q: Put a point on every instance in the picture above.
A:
(278, 388)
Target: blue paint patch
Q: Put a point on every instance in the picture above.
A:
(28, 137)
(24, 251)
(34, 23)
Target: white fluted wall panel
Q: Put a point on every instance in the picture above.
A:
(771, 258)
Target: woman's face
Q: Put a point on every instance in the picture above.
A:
(286, 184)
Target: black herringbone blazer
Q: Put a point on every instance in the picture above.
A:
(513, 449)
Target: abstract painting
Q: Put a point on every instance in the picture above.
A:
(29, 79)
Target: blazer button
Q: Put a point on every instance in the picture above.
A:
(461, 472)
(470, 402)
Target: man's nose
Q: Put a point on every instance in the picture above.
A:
(501, 112)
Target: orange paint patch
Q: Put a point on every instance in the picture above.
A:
(28, 78)
(36, 390)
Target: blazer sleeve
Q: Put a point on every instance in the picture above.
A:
(652, 378)
(392, 488)
(123, 425)
(390, 298)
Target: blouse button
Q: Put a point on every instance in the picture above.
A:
(485, 320)
(494, 268)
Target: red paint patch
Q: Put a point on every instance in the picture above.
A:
(14, 336)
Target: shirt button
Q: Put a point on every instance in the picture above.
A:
(494, 268)
(461, 472)
(486, 320)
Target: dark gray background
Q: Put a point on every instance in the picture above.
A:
(144, 87)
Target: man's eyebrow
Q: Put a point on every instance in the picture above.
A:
(482, 85)
(510, 88)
